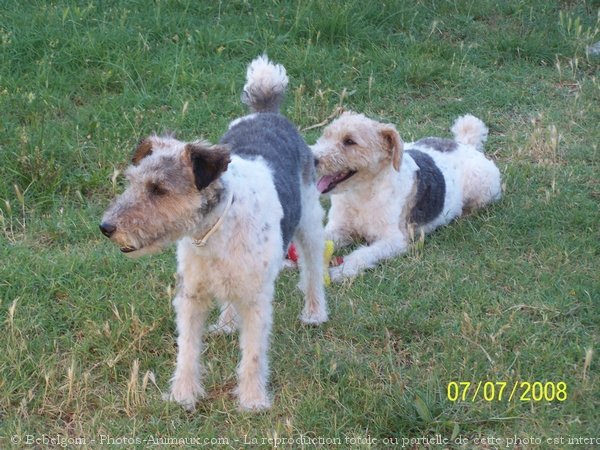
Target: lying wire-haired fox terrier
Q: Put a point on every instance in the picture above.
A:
(380, 192)
(233, 209)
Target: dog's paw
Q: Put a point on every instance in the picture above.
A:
(343, 272)
(352, 266)
(185, 392)
(311, 317)
(336, 274)
(254, 403)
(252, 396)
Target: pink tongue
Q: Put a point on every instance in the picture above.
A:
(324, 182)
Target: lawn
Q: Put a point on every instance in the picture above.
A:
(508, 296)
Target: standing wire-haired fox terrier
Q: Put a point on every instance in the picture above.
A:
(382, 189)
(233, 208)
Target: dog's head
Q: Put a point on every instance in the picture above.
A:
(354, 147)
(172, 185)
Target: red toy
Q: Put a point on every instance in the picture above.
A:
(292, 255)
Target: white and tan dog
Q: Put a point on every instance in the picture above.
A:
(381, 188)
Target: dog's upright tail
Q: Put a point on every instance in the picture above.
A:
(470, 130)
(265, 86)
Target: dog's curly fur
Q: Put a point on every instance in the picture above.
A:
(382, 188)
(252, 193)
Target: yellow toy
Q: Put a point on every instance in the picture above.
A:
(327, 255)
(328, 259)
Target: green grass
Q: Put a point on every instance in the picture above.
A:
(510, 293)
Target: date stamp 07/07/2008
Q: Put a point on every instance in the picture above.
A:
(509, 391)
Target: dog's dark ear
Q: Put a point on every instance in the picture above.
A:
(143, 149)
(393, 144)
(208, 162)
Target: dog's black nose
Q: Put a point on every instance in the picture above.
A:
(107, 229)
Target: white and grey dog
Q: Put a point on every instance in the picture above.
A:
(381, 188)
(232, 208)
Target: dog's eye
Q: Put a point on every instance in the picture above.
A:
(349, 142)
(156, 189)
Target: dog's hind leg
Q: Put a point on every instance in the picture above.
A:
(310, 239)
(482, 182)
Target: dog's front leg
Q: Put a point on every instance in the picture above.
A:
(191, 312)
(255, 320)
(366, 257)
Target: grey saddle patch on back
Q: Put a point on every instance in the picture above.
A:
(431, 189)
(277, 141)
(439, 144)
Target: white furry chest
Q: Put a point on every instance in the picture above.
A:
(370, 227)
(368, 214)
(373, 210)
(247, 244)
